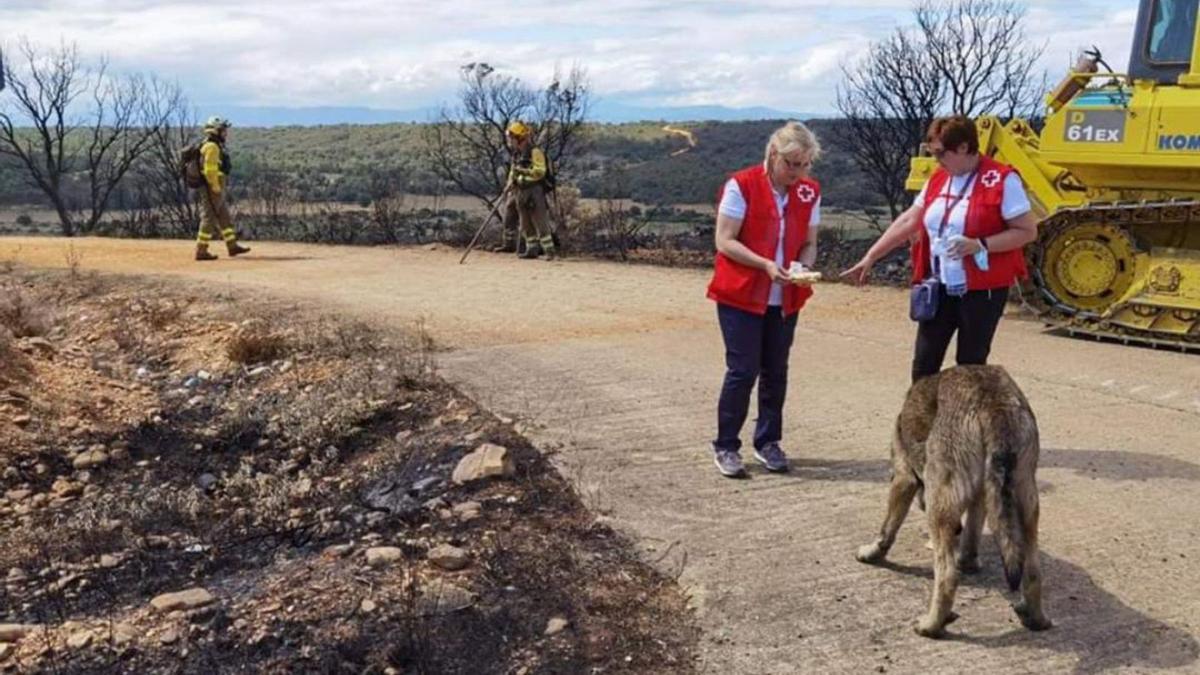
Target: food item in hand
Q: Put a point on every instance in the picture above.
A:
(805, 277)
(799, 274)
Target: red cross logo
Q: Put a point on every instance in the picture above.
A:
(805, 193)
(990, 178)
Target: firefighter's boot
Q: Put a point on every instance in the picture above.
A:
(532, 250)
(203, 254)
(236, 248)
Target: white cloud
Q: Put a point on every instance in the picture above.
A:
(780, 53)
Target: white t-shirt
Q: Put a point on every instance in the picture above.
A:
(1014, 203)
(733, 204)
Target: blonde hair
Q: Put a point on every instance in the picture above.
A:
(791, 137)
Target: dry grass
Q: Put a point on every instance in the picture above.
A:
(255, 343)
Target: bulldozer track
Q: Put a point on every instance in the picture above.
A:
(1060, 316)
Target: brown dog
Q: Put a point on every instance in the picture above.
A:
(968, 440)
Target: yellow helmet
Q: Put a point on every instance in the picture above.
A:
(518, 129)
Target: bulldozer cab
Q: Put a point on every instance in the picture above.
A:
(1164, 41)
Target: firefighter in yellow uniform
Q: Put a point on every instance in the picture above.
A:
(527, 197)
(214, 212)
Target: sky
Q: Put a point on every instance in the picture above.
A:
(400, 54)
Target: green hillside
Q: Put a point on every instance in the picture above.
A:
(643, 161)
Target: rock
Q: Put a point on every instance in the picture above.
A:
(189, 599)
(426, 483)
(14, 632)
(18, 495)
(80, 639)
(170, 636)
(191, 383)
(123, 634)
(142, 372)
(66, 488)
(89, 459)
(449, 557)
(388, 494)
(486, 461)
(5, 651)
(261, 370)
(17, 575)
(108, 561)
(443, 597)
(337, 551)
(556, 625)
(367, 606)
(22, 420)
(381, 556)
(38, 343)
(468, 511)
(206, 481)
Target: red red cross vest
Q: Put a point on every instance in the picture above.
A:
(747, 288)
(984, 219)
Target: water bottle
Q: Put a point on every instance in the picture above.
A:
(955, 276)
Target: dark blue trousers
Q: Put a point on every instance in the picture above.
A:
(756, 350)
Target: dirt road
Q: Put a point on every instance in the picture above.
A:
(620, 365)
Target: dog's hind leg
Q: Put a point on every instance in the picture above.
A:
(968, 543)
(903, 489)
(1029, 609)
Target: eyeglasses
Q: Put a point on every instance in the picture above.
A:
(936, 153)
(796, 166)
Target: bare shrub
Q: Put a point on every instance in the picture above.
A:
(255, 343)
(6, 345)
(73, 258)
(21, 316)
(9, 264)
(159, 315)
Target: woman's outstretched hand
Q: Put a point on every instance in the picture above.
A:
(859, 273)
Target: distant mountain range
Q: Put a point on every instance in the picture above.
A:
(602, 111)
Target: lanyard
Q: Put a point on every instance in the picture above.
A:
(970, 183)
(967, 186)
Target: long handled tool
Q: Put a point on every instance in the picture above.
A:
(486, 222)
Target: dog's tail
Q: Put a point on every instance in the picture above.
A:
(1003, 501)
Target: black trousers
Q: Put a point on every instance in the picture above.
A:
(973, 316)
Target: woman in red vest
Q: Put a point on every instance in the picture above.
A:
(766, 222)
(971, 203)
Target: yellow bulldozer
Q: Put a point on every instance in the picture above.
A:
(1115, 178)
